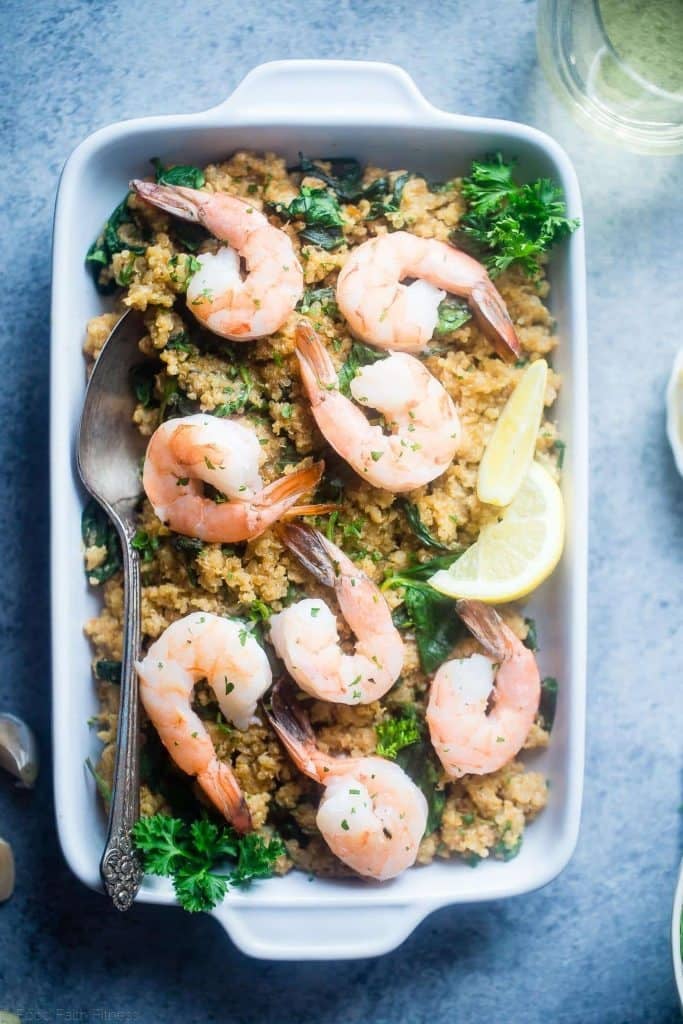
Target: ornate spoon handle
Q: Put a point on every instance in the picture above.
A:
(120, 866)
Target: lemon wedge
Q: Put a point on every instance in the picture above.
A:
(516, 553)
(508, 454)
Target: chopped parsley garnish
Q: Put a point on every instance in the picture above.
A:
(189, 854)
(145, 544)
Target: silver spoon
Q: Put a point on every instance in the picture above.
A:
(109, 452)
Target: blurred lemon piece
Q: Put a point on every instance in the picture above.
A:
(674, 406)
(514, 554)
(511, 447)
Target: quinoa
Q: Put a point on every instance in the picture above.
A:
(193, 371)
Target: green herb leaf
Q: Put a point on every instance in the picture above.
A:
(548, 703)
(108, 671)
(188, 855)
(98, 531)
(437, 627)
(452, 315)
(404, 739)
(142, 382)
(360, 355)
(420, 530)
(531, 638)
(396, 733)
(182, 174)
(513, 223)
(146, 545)
(120, 232)
(322, 298)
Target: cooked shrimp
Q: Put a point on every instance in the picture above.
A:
(424, 424)
(305, 634)
(388, 314)
(220, 299)
(466, 736)
(186, 453)
(371, 815)
(224, 652)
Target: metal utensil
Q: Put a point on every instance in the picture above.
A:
(109, 452)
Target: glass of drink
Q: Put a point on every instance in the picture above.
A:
(619, 64)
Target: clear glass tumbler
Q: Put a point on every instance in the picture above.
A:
(619, 64)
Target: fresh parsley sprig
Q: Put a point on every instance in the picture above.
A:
(188, 855)
(513, 223)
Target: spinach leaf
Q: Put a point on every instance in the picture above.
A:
(325, 238)
(386, 199)
(108, 671)
(452, 315)
(360, 355)
(531, 638)
(420, 572)
(142, 382)
(427, 612)
(98, 531)
(323, 297)
(437, 627)
(420, 762)
(175, 402)
(548, 703)
(343, 177)
(110, 241)
(181, 174)
(320, 211)
(420, 530)
(316, 206)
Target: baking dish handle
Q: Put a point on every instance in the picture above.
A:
(315, 932)
(331, 89)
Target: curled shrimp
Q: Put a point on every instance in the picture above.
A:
(424, 423)
(371, 814)
(466, 736)
(222, 651)
(388, 314)
(186, 453)
(305, 634)
(217, 295)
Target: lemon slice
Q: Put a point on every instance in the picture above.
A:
(511, 446)
(516, 553)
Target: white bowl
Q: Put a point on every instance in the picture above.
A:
(376, 113)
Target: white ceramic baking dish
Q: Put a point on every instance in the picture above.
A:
(376, 113)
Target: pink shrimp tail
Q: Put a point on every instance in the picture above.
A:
(293, 728)
(486, 625)
(316, 366)
(181, 202)
(222, 788)
(492, 317)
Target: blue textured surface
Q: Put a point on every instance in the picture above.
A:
(593, 946)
